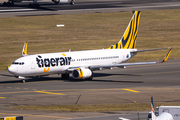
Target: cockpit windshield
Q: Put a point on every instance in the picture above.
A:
(18, 63)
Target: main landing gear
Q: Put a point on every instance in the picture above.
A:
(65, 76)
(9, 3)
(23, 80)
(72, 2)
(34, 5)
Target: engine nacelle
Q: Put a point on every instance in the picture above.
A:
(17, 0)
(60, 1)
(81, 73)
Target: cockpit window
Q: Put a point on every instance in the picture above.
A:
(18, 63)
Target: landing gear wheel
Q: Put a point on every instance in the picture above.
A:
(72, 2)
(56, 3)
(30, 5)
(23, 81)
(11, 3)
(5, 4)
(34, 5)
(65, 76)
(90, 78)
(37, 5)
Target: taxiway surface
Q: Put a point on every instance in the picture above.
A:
(133, 84)
(82, 6)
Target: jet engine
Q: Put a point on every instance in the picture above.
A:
(60, 1)
(81, 73)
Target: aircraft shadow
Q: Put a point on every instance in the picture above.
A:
(109, 74)
(27, 6)
(49, 78)
(6, 75)
(62, 6)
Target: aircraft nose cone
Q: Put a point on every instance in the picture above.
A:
(12, 69)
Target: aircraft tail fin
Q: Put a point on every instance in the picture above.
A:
(128, 40)
(152, 110)
(24, 51)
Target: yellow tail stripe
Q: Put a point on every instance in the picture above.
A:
(128, 40)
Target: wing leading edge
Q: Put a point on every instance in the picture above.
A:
(129, 64)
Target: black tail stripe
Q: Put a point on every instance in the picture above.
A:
(132, 32)
(125, 41)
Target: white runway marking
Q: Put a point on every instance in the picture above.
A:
(16, 10)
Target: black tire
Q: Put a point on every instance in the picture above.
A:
(23, 81)
(37, 5)
(90, 78)
(72, 3)
(5, 4)
(30, 5)
(56, 3)
(11, 4)
(65, 76)
(8, 3)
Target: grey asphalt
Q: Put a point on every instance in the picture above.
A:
(107, 87)
(82, 6)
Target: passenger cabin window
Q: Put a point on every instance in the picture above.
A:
(98, 58)
(18, 63)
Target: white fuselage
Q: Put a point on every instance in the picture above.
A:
(58, 63)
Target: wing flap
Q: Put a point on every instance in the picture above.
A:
(122, 65)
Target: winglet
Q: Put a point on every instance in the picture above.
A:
(24, 51)
(167, 56)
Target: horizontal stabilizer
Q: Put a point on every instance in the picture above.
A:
(148, 50)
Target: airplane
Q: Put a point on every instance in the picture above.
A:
(35, 3)
(81, 64)
(162, 116)
(152, 116)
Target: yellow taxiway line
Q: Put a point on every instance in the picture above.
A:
(49, 93)
(52, 91)
(36, 115)
(130, 90)
(2, 97)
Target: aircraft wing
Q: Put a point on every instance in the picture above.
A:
(129, 64)
(123, 64)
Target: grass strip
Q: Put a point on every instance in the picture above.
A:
(158, 29)
(95, 108)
